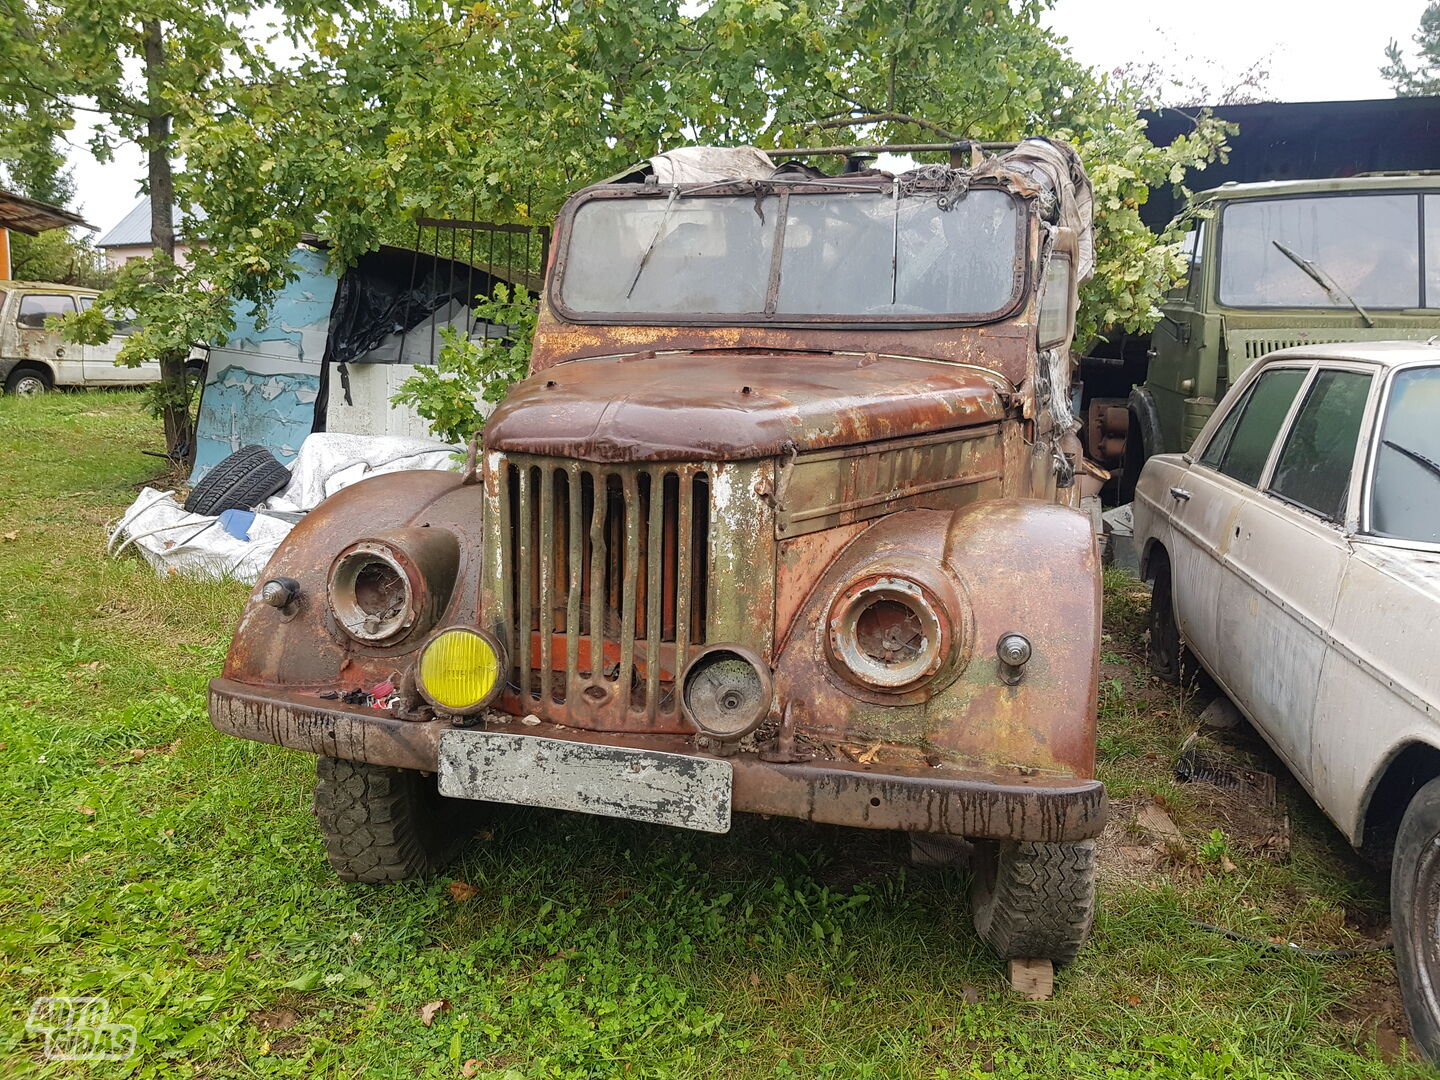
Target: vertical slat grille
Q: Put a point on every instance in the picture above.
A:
(605, 597)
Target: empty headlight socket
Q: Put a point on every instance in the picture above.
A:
(393, 585)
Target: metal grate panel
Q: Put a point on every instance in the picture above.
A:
(605, 581)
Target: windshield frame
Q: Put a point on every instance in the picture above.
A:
(1020, 286)
(1379, 408)
(1225, 205)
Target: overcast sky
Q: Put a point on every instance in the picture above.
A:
(1314, 51)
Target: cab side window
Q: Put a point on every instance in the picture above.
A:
(1318, 458)
(1242, 443)
(37, 307)
(1195, 277)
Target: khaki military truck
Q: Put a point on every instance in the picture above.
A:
(783, 521)
(1272, 265)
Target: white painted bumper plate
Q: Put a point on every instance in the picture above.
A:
(614, 781)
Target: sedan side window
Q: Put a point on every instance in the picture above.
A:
(1319, 454)
(1405, 499)
(1242, 443)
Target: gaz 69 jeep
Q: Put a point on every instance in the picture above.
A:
(783, 521)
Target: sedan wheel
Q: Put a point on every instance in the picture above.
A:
(1415, 915)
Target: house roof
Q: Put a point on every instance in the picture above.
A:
(30, 217)
(134, 227)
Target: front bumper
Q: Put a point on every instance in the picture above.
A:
(976, 805)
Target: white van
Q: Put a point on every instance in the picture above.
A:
(35, 358)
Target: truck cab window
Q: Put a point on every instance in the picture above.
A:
(1316, 463)
(1432, 251)
(1055, 328)
(1405, 489)
(1241, 448)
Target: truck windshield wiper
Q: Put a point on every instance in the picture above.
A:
(659, 232)
(1413, 455)
(1324, 280)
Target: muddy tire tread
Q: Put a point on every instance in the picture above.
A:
(1036, 900)
(376, 822)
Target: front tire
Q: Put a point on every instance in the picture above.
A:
(382, 824)
(1034, 901)
(1415, 916)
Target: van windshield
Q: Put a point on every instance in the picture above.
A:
(1365, 247)
(803, 256)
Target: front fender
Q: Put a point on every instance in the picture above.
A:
(303, 648)
(1015, 566)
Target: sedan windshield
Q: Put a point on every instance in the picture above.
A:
(804, 255)
(1405, 494)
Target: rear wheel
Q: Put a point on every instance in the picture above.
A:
(1169, 659)
(1034, 901)
(1415, 915)
(28, 382)
(382, 824)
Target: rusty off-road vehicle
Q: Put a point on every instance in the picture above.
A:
(782, 521)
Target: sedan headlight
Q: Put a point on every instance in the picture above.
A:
(889, 633)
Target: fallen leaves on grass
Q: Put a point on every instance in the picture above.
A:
(430, 1009)
(278, 1020)
(460, 891)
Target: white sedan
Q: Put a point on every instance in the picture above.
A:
(1295, 553)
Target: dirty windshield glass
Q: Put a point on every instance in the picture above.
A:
(1405, 494)
(840, 253)
(1366, 246)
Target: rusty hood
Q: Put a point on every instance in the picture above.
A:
(729, 406)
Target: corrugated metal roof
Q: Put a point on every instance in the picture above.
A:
(134, 227)
(31, 217)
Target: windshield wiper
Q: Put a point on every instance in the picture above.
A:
(659, 231)
(1413, 455)
(1324, 280)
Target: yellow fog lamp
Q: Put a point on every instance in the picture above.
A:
(461, 669)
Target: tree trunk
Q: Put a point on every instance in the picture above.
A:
(174, 386)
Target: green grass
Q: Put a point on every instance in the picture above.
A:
(175, 872)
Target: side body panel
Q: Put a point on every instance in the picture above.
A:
(970, 718)
(1282, 573)
(1380, 688)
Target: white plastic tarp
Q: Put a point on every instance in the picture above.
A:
(700, 164)
(331, 460)
(196, 545)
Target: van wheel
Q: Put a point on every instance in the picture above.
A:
(28, 382)
(1415, 915)
(382, 824)
(1034, 901)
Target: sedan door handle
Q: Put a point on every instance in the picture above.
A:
(1179, 493)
